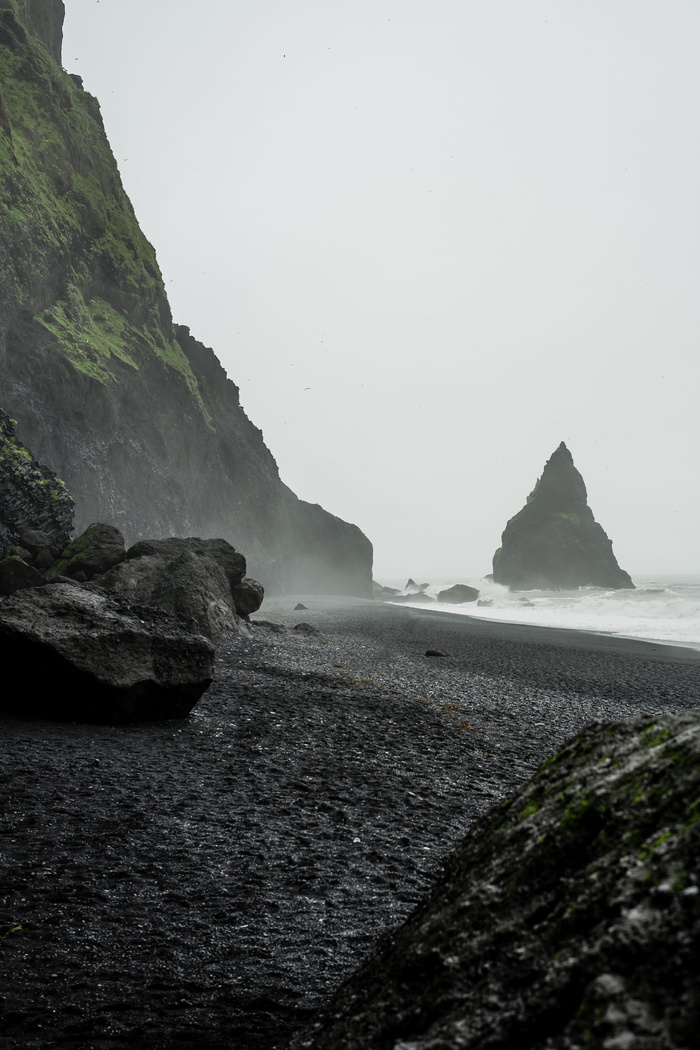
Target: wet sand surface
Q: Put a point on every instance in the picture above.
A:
(208, 883)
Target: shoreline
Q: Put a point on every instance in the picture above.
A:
(654, 642)
(210, 882)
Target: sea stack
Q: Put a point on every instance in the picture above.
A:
(554, 542)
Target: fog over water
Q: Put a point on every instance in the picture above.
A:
(430, 241)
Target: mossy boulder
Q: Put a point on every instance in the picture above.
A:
(91, 554)
(568, 918)
(554, 542)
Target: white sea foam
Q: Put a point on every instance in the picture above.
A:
(660, 609)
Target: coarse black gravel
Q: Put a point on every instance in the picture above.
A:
(208, 883)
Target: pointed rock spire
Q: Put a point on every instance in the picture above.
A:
(555, 542)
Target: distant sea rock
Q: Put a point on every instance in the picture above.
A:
(415, 588)
(554, 542)
(568, 918)
(457, 595)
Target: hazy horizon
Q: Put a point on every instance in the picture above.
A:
(429, 242)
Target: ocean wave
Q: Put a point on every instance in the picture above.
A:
(666, 611)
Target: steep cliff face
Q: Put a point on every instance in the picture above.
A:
(136, 416)
(554, 541)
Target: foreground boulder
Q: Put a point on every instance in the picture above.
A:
(72, 655)
(192, 578)
(457, 595)
(569, 918)
(555, 542)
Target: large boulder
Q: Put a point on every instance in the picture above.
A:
(231, 561)
(70, 654)
(569, 917)
(457, 595)
(31, 496)
(91, 554)
(554, 542)
(247, 597)
(188, 577)
(39, 548)
(16, 574)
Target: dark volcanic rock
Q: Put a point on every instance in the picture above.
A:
(185, 577)
(73, 655)
(247, 596)
(137, 416)
(461, 592)
(40, 547)
(16, 574)
(415, 588)
(231, 561)
(31, 496)
(382, 593)
(91, 554)
(307, 630)
(417, 596)
(554, 541)
(570, 917)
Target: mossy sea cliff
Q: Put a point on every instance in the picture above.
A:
(136, 416)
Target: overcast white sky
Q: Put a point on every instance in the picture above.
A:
(429, 240)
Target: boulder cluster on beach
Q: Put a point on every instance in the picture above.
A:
(98, 632)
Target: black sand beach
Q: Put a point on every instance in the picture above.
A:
(209, 883)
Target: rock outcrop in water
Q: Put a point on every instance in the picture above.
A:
(569, 918)
(134, 414)
(555, 542)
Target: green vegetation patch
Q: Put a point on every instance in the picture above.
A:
(89, 334)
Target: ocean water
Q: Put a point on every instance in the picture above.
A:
(662, 608)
